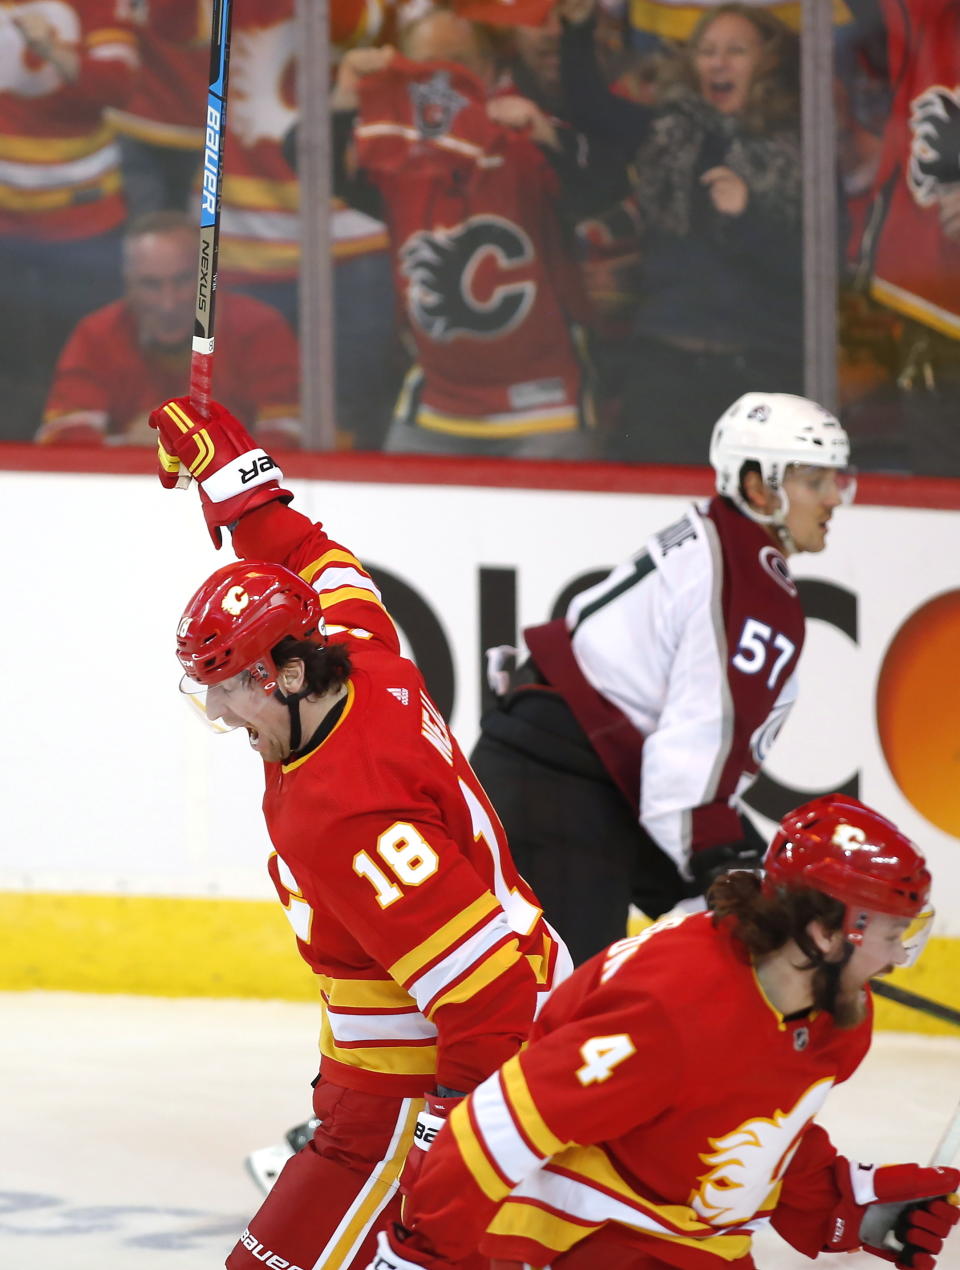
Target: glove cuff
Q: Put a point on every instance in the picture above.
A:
(860, 1183)
(432, 1119)
(239, 476)
(426, 1129)
(226, 514)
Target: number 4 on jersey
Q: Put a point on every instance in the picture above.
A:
(601, 1054)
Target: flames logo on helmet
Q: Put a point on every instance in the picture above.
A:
(839, 846)
(235, 601)
(239, 615)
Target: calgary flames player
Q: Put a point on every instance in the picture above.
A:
(431, 951)
(664, 1107)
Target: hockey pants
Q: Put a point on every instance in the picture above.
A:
(571, 832)
(332, 1197)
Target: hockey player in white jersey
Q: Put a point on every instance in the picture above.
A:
(618, 753)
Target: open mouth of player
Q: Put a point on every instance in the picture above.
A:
(253, 736)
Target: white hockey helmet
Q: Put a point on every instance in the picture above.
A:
(774, 429)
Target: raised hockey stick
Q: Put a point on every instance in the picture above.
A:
(201, 359)
(914, 1001)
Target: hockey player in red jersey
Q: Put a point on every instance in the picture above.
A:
(618, 755)
(430, 950)
(664, 1108)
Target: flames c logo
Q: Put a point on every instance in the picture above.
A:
(441, 265)
(935, 145)
(235, 601)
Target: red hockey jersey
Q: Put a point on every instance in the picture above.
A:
(358, 23)
(168, 103)
(661, 1096)
(260, 215)
(431, 951)
(59, 162)
(916, 268)
(106, 383)
(487, 284)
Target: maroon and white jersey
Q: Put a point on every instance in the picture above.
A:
(662, 1100)
(431, 951)
(488, 286)
(680, 668)
(916, 267)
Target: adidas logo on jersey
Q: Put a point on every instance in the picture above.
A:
(401, 695)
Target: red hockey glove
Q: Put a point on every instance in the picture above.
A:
(429, 1123)
(920, 1229)
(233, 473)
(920, 1214)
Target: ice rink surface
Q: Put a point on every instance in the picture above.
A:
(125, 1120)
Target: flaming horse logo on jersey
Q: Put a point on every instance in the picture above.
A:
(746, 1164)
(935, 145)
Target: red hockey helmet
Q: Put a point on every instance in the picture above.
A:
(239, 614)
(843, 848)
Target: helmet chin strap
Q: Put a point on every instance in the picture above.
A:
(833, 976)
(292, 701)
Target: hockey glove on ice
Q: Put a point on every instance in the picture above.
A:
(234, 474)
(925, 1218)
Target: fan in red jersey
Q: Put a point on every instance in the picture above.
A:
(911, 246)
(468, 179)
(61, 197)
(121, 359)
(664, 1108)
(431, 952)
(159, 126)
